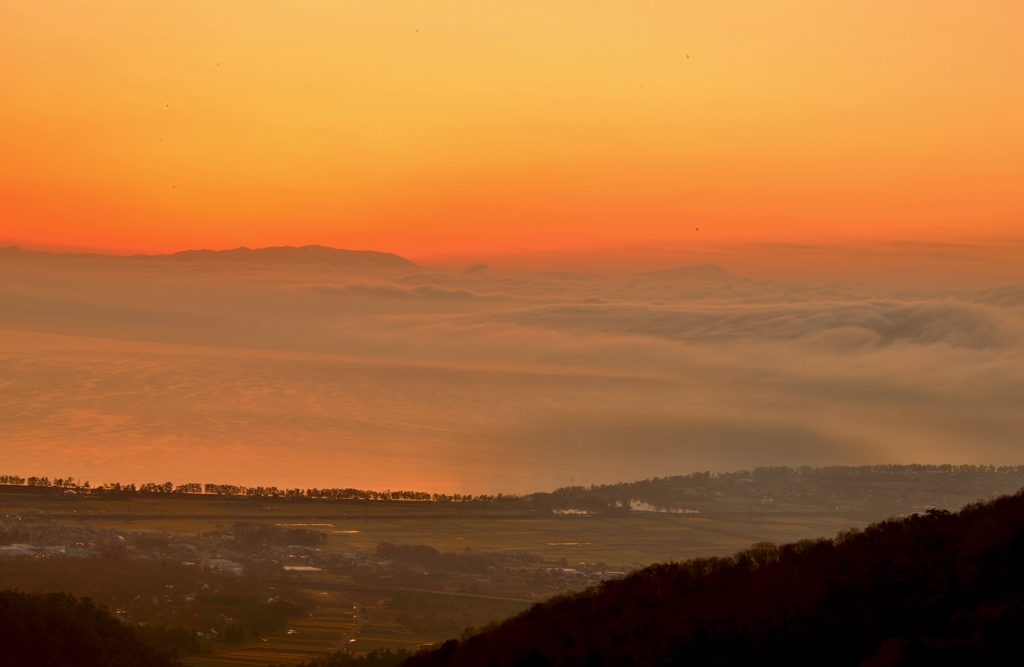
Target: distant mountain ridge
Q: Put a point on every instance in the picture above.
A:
(308, 254)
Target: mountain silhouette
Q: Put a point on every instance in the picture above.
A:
(309, 254)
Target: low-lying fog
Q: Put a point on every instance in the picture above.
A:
(298, 374)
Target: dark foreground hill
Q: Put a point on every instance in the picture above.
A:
(932, 589)
(57, 630)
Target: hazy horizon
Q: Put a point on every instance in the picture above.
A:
(970, 263)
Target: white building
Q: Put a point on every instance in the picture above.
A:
(224, 565)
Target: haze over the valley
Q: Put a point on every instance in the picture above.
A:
(368, 371)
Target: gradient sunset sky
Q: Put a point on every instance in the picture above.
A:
(480, 128)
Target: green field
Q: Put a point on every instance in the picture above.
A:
(629, 538)
(328, 626)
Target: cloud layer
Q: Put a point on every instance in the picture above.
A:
(475, 381)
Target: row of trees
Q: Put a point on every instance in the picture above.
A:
(351, 494)
(657, 490)
(15, 480)
(250, 491)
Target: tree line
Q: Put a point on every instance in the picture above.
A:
(673, 491)
(70, 483)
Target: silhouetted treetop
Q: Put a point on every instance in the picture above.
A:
(57, 630)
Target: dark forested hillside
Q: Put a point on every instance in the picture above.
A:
(888, 489)
(58, 630)
(937, 588)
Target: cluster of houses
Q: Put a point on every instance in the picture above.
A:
(51, 540)
(220, 553)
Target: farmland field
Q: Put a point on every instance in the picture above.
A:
(631, 538)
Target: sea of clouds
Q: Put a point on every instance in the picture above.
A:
(147, 370)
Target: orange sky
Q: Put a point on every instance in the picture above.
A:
(438, 129)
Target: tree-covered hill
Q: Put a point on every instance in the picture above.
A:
(937, 588)
(57, 630)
